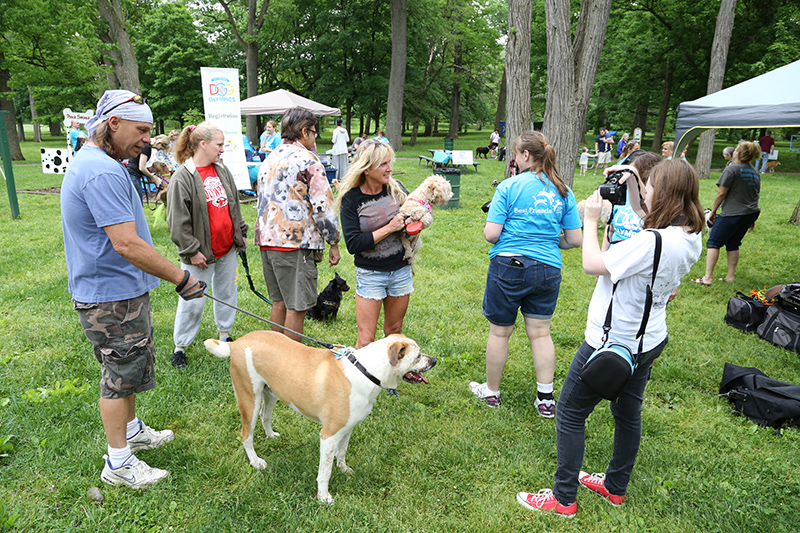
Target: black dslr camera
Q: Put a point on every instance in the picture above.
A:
(612, 190)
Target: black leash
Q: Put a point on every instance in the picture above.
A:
(243, 255)
(324, 344)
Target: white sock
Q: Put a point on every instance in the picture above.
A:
(544, 387)
(133, 428)
(118, 456)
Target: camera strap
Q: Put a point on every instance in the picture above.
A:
(648, 303)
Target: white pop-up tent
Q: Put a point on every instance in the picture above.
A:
(280, 101)
(769, 100)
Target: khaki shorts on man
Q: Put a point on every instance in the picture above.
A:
(292, 277)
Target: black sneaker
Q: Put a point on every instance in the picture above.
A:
(179, 359)
(228, 339)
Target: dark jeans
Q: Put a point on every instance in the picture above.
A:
(575, 403)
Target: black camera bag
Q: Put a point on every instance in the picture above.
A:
(789, 297)
(765, 401)
(745, 313)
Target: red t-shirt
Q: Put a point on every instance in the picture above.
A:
(219, 216)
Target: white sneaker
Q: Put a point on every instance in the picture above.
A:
(148, 438)
(546, 408)
(134, 473)
(481, 390)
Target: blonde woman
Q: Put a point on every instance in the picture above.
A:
(369, 202)
(205, 221)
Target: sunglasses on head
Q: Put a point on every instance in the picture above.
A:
(136, 99)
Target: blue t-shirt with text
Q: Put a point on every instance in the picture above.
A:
(532, 213)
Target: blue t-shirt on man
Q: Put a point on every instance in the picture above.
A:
(532, 213)
(97, 192)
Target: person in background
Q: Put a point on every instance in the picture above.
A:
(295, 219)
(339, 150)
(269, 140)
(767, 144)
(631, 147)
(626, 220)
(727, 154)
(369, 201)
(140, 175)
(112, 267)
(532, 216)
(621, 145)
(666, 149)
(602, 149)
(173, 137)
(357, 142)
(381, 137)
(205, 222)
(584, 160)
(624, 270)
(249, 151)
(494, 142)
(75, 134)
(739, 189)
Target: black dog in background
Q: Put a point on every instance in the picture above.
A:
(482, 151)
(329, 299)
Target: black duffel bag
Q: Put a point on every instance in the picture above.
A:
(765, 401)
(781, 328)
(745, 313)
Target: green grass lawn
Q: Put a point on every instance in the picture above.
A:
(433, 459)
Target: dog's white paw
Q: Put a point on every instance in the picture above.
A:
(258, 463)
(325, 498)
(346, 469)
(273, 435)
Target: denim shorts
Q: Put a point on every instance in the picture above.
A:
(377, 285)
(520, 282)
(729, 231)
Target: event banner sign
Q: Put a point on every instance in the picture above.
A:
(221, 106)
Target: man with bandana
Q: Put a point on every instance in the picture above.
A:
(111, 267)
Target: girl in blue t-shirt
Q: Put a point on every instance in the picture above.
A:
(532, 216)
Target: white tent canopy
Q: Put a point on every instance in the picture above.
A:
(280, 101)
(769, 100)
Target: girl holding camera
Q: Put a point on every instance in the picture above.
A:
(531, 216)
(674, 211)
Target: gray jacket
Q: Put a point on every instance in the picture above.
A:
(187, 212)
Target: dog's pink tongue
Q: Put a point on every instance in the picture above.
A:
(416, 377)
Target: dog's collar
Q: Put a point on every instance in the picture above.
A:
(352, 357)
(426, 204)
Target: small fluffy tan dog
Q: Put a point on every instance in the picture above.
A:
(605, 212)
(159, 168)
(435, 190)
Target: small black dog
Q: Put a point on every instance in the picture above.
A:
(329, 299)
(482, 150)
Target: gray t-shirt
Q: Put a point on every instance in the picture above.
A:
(744, 187)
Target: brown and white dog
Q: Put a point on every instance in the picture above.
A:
(771, 166)
(336, 392)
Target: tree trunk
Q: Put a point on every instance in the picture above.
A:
(20, 130)
(55, 129)
(795, 218)
(571, 71)
(126, 67)
(640, 118)
(663, 110)
(716, 75)
(37, 128)
(7, 104)
(397, 77)
(518, 70)
(500, 115)
(455, 101)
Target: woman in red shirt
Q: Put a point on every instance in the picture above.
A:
(205, 222)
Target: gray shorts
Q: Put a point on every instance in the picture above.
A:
(122, 336)
(291, 278)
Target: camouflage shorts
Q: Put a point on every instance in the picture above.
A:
(122, 336)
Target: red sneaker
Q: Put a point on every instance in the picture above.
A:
(545, 501)
(597, 483)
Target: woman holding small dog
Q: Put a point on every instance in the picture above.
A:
(206, 223)
(532, 215)
(369, 201)
(624, 272)
(737, 197)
